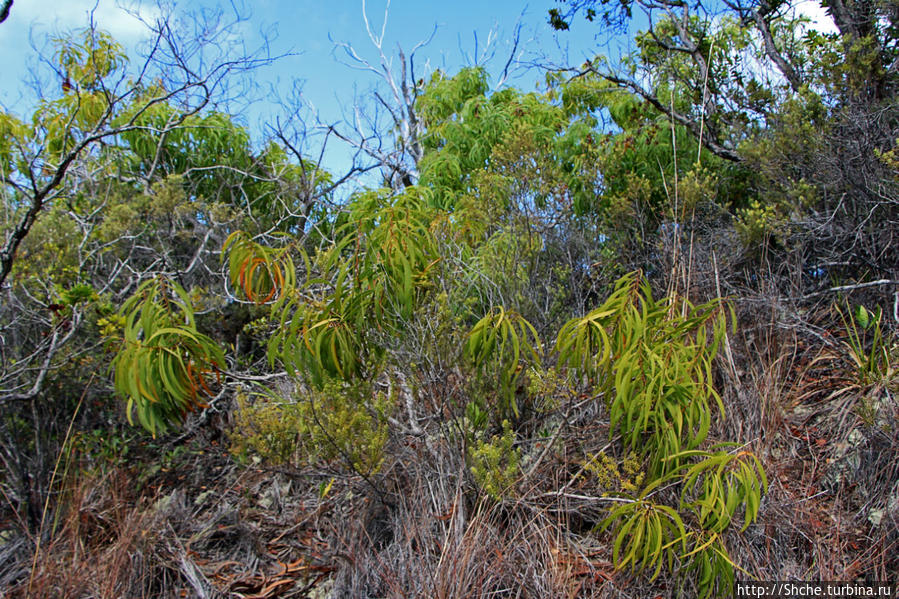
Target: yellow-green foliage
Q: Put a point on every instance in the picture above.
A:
(339, 422)
(49, 255)
(266, 427)
(695, 188)
(88, 57)
(120, 219)
(164, 366)
(495, 463)
(13, 133)
(348, 423)
(111, 326)
(611, 476)
(263, 274)
(502, 346)
(719, 484)
(890, 158)
(652, 360)
(708, 565)
(168, 198)
(374, 276)
(625, 205)
(768, 219)
(87, 62)
(548, 386)
(872, 353)
(650, 535)
(757, 223)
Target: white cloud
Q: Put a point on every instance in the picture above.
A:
(813, 11)
(34, 21)
(107, 14)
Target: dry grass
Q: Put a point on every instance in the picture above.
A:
(832, 511)
(420, 528)
(109, 544)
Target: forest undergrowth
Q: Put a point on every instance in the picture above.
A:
(632, 334)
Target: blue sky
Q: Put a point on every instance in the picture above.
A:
(305, 29)
(306, 32)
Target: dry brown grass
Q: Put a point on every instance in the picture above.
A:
(421, 528)
(833, 466)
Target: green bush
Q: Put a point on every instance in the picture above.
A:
(347, 423)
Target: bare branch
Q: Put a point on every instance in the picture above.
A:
(68, 329)
(4, 10)
(709, 139)
(194, 92)
(398, 158)
(853, 287)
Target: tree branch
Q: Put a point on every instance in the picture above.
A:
(789, 73)
(4, 10)
(878, 283)
(709, 139)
